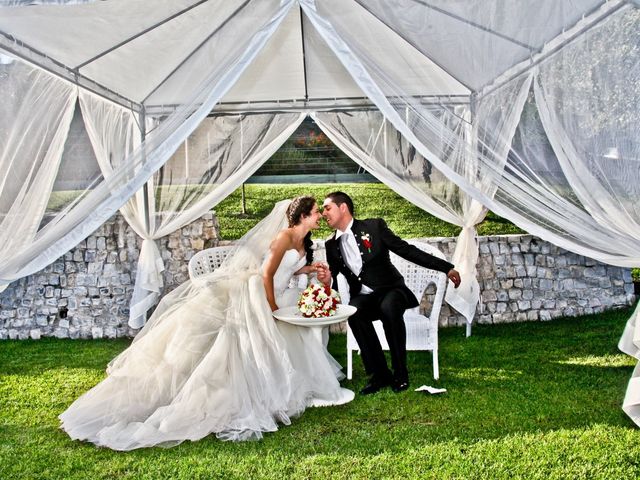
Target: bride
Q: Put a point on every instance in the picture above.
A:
(212, 359)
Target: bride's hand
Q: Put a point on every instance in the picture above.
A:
(323, 272)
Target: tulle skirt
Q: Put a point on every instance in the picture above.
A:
(215, 361)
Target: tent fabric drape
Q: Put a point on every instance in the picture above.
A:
(379, 148)
(37, 111)
(222, 149)
(517, 191)
(215, 159)
(92, 207)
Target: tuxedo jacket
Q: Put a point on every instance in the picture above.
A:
(375, 240)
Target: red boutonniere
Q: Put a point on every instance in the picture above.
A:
(366, 241)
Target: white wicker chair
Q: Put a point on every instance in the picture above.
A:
(422, 332)
(206, 261)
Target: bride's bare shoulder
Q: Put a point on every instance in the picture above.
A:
(283, 240)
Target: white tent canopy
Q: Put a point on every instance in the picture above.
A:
(183, 100)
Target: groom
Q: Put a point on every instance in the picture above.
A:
(359, 249)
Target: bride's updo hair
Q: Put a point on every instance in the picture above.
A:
(298, 207)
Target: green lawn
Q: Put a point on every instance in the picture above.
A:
(528, 400)
(371, 200)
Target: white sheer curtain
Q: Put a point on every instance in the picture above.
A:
(215, 159)
(517, 192)
(377, 146)
(90, 208)
(589, 110)
(36, 113)
(453, 135)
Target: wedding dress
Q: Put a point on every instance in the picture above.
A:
(212, 359)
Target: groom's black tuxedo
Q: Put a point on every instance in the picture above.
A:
(390, 296)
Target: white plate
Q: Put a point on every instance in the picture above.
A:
(294, 316)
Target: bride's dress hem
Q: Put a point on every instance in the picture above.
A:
(217, 363)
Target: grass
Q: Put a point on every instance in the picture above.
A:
(370, 199)
(528, 400)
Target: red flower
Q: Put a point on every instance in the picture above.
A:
(366, 241)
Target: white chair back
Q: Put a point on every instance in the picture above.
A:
(206, 261)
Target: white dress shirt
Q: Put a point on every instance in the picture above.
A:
(351, 253)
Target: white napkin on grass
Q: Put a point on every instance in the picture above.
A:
(430, 389)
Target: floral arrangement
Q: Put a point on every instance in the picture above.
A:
(318, 301)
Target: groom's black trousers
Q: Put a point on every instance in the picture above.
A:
(387, 305)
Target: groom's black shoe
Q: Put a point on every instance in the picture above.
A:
(375, 386)
(399, 385)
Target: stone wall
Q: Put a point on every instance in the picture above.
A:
(524, 278)
(86, 293)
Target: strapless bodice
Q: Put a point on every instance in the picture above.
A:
(291, 263)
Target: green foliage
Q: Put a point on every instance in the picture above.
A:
(528, 400)
(371, 200)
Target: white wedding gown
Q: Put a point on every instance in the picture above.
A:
(213, 362)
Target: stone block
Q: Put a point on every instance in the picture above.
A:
(594, 302)
(517, 259)
(489, 296)
(515, 294)
(61, 333)
(545, 315)
(567, 284)
(506, 284)
(546, 284)
(604, 282)
(97, 332)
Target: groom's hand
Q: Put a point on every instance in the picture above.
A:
(454, 276)
(323, 272)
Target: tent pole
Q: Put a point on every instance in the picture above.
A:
(294, 104)
(145, 187)
(139, 34)
(31, 55)
(475, 25)
(540, 57)
(304, 58)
